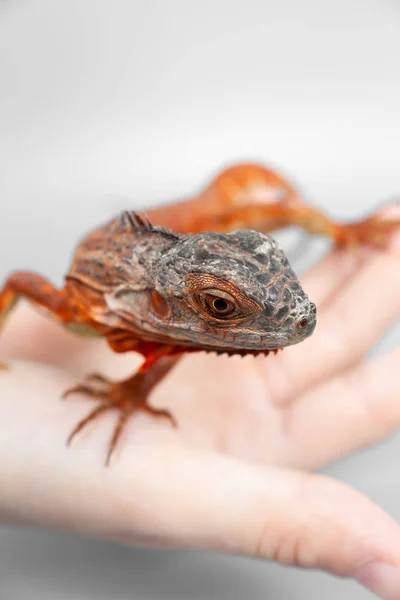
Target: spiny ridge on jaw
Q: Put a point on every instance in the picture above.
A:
(243, 353)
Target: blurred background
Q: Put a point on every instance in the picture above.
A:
(109, 105)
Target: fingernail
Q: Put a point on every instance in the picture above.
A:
(380, 578)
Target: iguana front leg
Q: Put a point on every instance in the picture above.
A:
(35, 289)
(127, 397)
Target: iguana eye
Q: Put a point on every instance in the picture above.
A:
(217, 300)
(219, 306)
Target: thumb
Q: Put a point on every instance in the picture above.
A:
(208, 501)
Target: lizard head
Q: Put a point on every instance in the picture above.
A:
(232, 293)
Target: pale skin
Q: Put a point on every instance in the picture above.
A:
(236, 476)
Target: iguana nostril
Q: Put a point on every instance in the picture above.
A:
(303, 323)
(308, 321)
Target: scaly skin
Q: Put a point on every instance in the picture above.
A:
(161, 292)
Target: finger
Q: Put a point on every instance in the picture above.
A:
(332, 273)
(354, 410)
(163, 492)
(347, 328)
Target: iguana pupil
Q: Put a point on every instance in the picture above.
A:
(220, 305)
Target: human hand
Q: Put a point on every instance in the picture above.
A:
(235, 476)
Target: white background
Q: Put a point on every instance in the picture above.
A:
(105, 105)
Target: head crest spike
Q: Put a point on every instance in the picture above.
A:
(136, 221)
(140, 223)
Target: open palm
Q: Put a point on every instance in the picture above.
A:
(235, 476)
